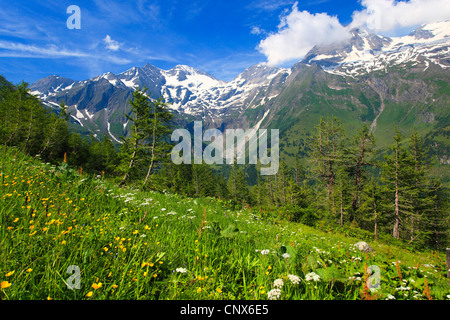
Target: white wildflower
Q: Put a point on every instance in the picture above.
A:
(278, 283)
(286, 255)
(294, 279)
(274, 294)
(181, 270)
(264, 252)
(390, 297)
(312, 276)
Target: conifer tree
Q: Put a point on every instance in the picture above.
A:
(360, 148)
(132, 151)
(56, 135)
(327, 154)
(370, 210)
(148, 141)
(398, 175)
(158, 129)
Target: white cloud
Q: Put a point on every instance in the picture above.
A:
(298, 32)
(52, 51)
(387, 15)
(257, 30)
(111, 44)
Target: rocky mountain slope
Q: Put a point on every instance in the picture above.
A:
(370, 79)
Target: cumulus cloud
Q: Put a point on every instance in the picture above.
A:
(387, 15)
(111, 44)
(298, 32)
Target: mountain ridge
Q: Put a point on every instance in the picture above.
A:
(371, 79)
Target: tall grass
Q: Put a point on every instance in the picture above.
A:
(144, 245)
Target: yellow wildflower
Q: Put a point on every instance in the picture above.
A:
(9, 273)
(90, 293)
(5, 284)
(96, 285)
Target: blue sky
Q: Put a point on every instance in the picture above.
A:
(220, 37)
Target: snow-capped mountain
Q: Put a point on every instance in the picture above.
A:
(367, 52)
(259, 93)
(99, 104)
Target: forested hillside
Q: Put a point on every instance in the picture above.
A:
(341, 182)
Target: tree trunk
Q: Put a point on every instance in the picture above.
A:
(395, 232)
(133, 156)
(29, 129)
(152, 150)
(341, 222)
(376, 217)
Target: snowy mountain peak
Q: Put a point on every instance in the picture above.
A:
(365, 51)
(99, 103)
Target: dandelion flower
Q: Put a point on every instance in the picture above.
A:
(5, 284)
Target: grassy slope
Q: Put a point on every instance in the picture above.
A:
(132, 243)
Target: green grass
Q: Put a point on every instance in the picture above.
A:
(133, 242)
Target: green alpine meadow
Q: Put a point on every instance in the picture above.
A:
(132, 244)
(83, 220)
